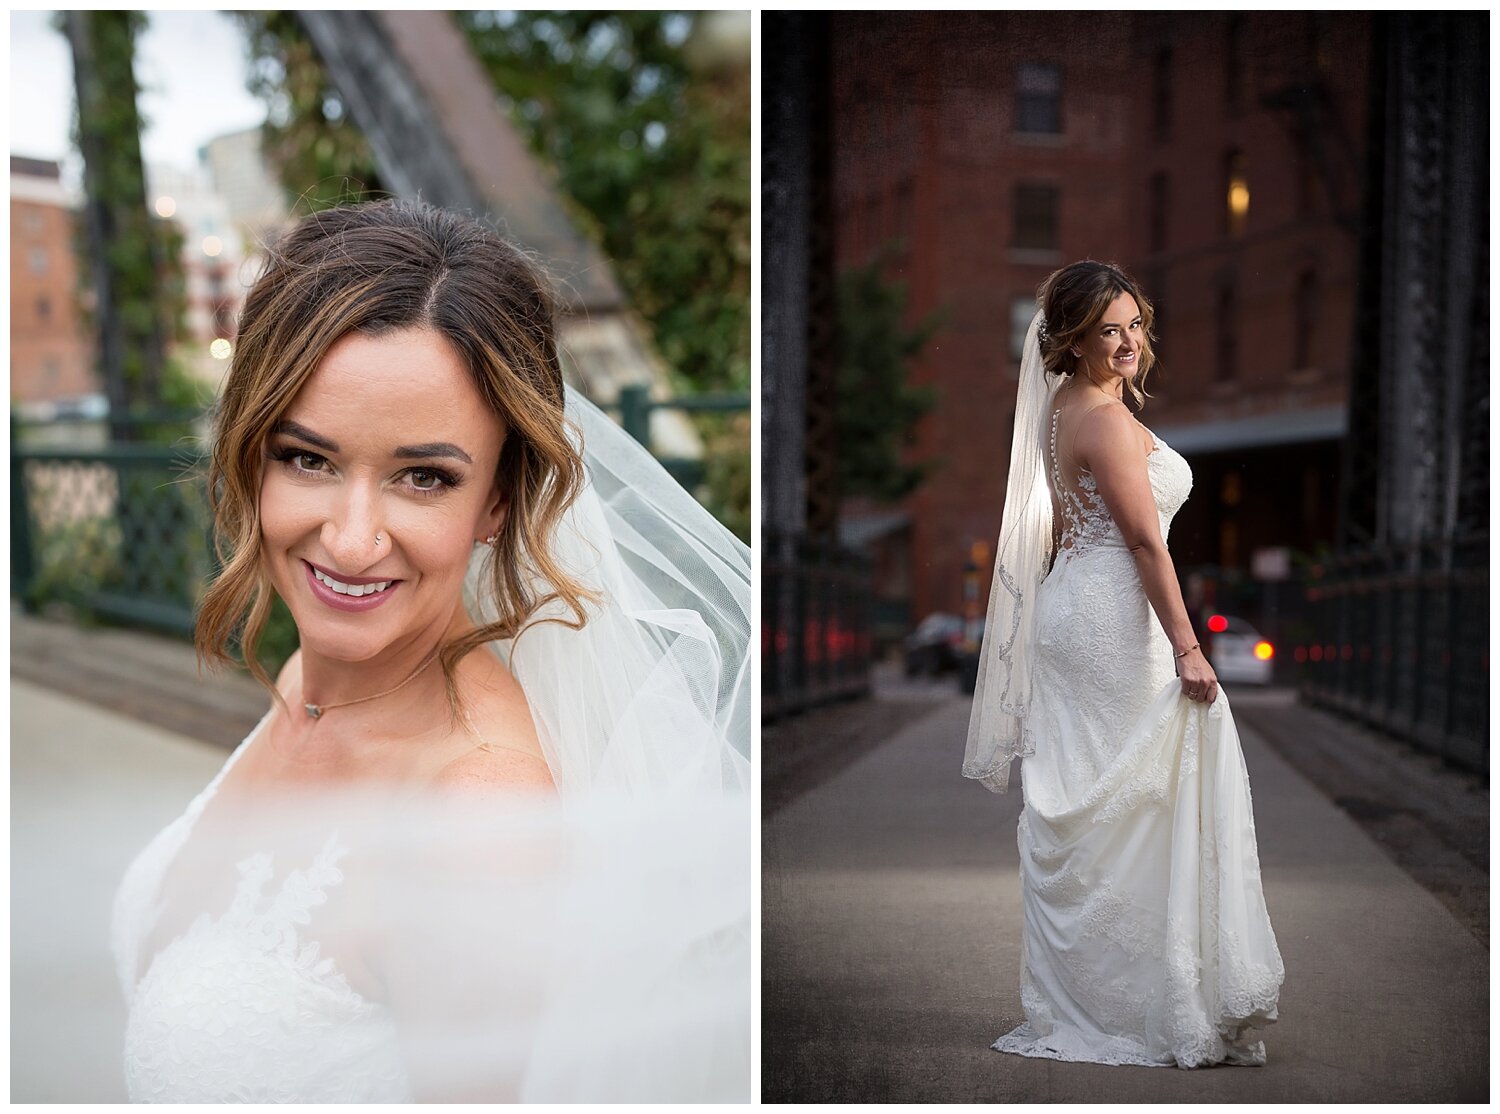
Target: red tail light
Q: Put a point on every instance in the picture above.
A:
(1218, 624)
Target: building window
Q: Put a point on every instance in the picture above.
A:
(1036, 217)
(1157, 213)
(1039, 98)
(1236, 194)
(38, 260)
(1156, 291)
(1022, 310)
(1234, 62)
(44, 309)
(1161, 93)
(1304, 317)
(1225, 349)
(906, 214)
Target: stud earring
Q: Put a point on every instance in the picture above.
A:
(491, 539)
(377, 539)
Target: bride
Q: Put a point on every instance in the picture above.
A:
(1146, 938)
(491, 839)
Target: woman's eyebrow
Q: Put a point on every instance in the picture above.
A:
(433, 449)
(302, 433)
(405, 452)
(1112, 325)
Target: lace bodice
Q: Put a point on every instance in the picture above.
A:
(1085, 520)
(242, 1006)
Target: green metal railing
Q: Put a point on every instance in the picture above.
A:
(121, 529)
(636, 407)
(815, 612)
(1402, 643)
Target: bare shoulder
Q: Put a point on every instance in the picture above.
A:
(505, 755)
(1108, 430)
(496, 769)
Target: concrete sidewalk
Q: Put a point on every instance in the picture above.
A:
(891, 926)
(88, 789)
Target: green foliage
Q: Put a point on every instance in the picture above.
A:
(323, 160)
(878, 409)
(655, 154)
(142, 255)
(74, 560)
(278, 641)
(726, 478)
(655, 157)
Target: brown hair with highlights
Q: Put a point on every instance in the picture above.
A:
(1074, 300)
(377, 268)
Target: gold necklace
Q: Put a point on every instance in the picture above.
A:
(316, 710)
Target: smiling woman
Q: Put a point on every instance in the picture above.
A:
(397, 459)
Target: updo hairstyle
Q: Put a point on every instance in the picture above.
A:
(1073, 302)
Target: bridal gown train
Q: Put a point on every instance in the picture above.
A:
(1146, 936)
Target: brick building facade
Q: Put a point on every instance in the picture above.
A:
(1217, 156)
(51, 355)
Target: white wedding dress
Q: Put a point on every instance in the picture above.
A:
(241, 1006)
(376, 947)
(1146, 936)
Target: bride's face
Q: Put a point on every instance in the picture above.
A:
(388, 438)
(1112, 349)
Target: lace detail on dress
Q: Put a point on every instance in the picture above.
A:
(243, 1006)
(1085, 519)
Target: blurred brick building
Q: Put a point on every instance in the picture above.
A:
(1218, 156)
(51, 355)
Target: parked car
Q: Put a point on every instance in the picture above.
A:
(1238, 652)
(935, 645)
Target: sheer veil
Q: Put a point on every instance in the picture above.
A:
(998, 726)
(652, 695)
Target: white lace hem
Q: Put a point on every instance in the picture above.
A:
(1067, 1044)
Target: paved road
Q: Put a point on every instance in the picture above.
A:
(891, 940)
(88, 788)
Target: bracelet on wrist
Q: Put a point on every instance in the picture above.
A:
(1188, 651)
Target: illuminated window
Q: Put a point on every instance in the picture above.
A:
(1236, 194)
(1036, 217)
(1039, 98)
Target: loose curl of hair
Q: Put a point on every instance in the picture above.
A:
(1073, 301)
(376, 268)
